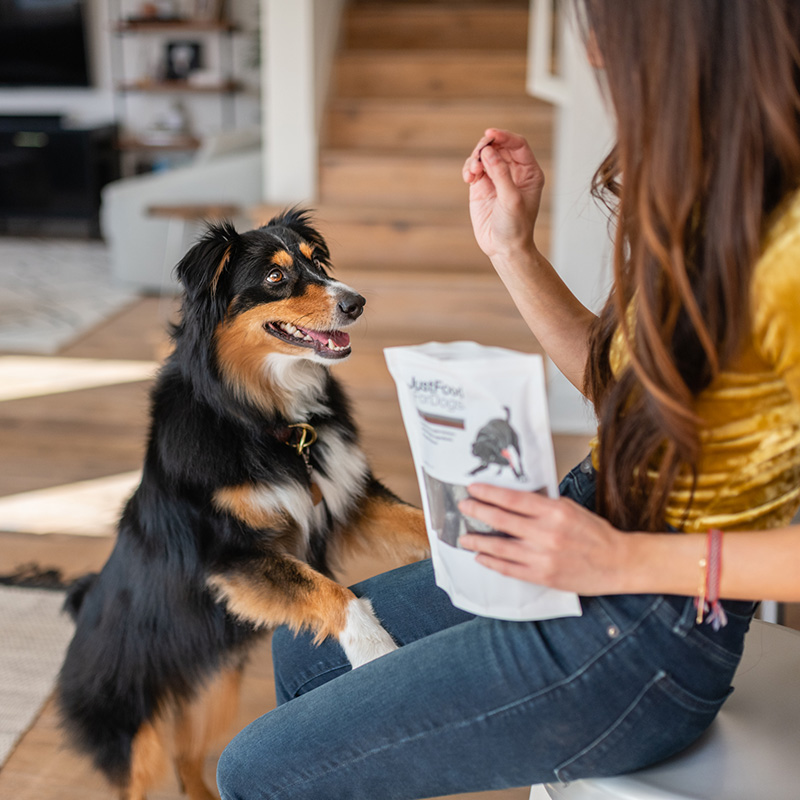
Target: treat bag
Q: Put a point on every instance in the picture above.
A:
(476, 414)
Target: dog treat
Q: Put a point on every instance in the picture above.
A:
(477, 414)
(491, 141)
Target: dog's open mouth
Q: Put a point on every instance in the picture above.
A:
(330, 344)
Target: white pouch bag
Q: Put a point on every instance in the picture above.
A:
(476, 414)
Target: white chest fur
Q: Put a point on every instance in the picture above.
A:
(345, 468)
(340, 471)
(339, 468)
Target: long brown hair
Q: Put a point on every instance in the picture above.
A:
(706, 97)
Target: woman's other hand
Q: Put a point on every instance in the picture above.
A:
(554, 542)
(505, 190)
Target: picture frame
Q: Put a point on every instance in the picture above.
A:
(181, 59)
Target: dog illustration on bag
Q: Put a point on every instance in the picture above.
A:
(498, 443)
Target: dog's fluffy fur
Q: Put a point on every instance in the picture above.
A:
(232, 530)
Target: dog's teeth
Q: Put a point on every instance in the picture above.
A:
(298, 333)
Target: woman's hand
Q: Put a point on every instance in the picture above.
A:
(505, 190)
(555, 542)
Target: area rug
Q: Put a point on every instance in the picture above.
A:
(54, 290)
(34, 635)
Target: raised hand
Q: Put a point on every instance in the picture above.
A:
(505, 189)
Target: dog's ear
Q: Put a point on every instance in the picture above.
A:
(299, 220)
(203, 270)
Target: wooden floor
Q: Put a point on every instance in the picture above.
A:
(72, 436)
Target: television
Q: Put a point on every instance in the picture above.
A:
(43, 43)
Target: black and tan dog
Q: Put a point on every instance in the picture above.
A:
(254, 486)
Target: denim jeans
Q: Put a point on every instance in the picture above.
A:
(472, 704)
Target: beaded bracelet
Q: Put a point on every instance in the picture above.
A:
(710, 575)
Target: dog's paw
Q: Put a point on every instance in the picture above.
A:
(363, 637)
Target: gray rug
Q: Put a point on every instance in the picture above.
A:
(52, 291)
(34, 634)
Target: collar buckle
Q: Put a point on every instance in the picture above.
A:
(305, 438)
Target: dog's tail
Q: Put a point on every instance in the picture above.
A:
(77, 592)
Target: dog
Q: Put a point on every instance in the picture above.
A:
(254, 488)
(497, 443)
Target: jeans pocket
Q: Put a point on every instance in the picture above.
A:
(662, 720)
(579, 484)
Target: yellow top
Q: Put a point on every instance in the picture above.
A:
(748, 473)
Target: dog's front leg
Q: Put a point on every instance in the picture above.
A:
(281, 590)
(384, 524)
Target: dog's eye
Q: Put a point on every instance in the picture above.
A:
(275, 276)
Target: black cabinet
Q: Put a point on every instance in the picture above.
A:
(48, 171)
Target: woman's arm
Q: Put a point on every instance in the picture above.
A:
(558, 543)
(506, 185)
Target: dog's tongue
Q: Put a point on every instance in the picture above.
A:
(339, 338)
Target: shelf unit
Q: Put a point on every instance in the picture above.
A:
(139, 145)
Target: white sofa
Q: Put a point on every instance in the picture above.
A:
(144, 249)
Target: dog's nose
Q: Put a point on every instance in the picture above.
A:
(351, 305)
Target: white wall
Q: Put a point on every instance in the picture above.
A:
(581, 245)
(298, 39)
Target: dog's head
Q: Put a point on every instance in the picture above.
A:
(264, 296)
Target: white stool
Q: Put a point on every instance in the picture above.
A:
(751, 752)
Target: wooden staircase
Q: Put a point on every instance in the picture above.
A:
(415, 84)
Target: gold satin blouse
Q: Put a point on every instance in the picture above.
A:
(748, 475)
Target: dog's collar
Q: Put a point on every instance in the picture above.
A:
(299, 435)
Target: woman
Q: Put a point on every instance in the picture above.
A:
(693, 366)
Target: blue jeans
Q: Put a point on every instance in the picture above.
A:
(473, 704)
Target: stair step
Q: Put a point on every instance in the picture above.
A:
(502, 26)
(330, 216)
(378, 239)
(444, 248)
(433, 125)
(361, 177)
(391, 238)
(399, 216)
(429, 73)
(383, 179)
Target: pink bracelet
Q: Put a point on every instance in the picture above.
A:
(710, 577)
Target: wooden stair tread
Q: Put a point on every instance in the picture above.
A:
(457, 26)
(334, 154)
(407, 239)
(432, 125)
(467, 74)
(402, 216)
(524, 103)
(400, 165)
(431, 54)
